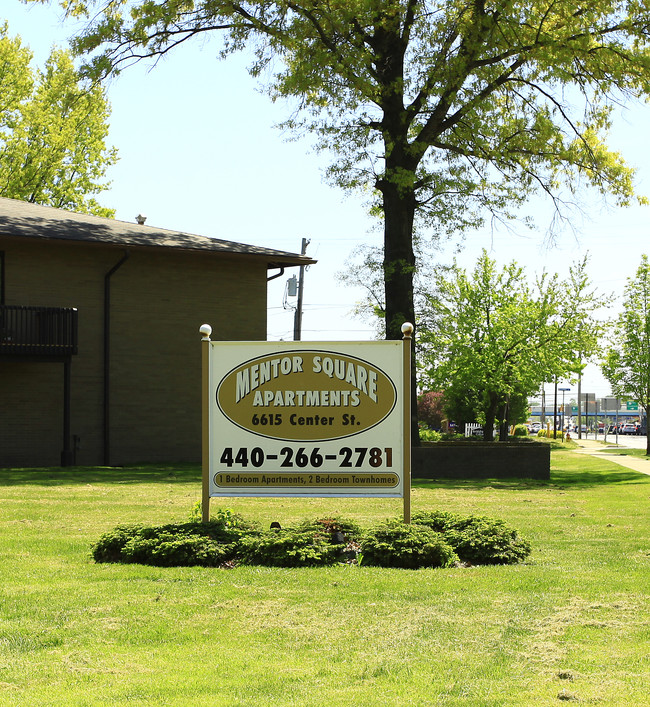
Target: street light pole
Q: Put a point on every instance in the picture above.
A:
(555, 410)
(580, 405)
(563, 391)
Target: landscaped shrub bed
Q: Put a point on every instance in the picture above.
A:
(410, 546)
(477, 539)
(434, 539)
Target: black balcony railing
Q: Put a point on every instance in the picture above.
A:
(38, 331)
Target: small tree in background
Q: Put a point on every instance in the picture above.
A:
(431, 409)
(627, 362)
(513, 412)
(460, 405)
(463, 405)
(492, 338)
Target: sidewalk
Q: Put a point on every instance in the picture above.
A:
(607, 451)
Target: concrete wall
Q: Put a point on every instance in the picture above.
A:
(158, 301)
(482, 460)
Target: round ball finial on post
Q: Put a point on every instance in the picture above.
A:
(205, 330)
(407, 330)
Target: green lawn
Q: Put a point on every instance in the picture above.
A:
(572, 624)
(624, 451)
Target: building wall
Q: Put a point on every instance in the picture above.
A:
(31, 422)
(158, 301)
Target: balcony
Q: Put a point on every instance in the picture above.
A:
(43, 332)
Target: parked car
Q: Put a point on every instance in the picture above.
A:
(629, 428)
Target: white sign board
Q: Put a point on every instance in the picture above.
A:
(306, 419)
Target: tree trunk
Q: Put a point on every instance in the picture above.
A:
(399, 260)
(505, 423)
(397, 187)
(399, 266)
(490, 416)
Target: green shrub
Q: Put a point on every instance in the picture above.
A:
(430, 435)
(168, 550)
(110, 545)
(488, 541)
(408, 546)
(207, 544)
(436, 520)
(340, 529)
(289, 548)
(323, 541)
(196, 513)
(521, 431)
(478, 539)
(223, 518)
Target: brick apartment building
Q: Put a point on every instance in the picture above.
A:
(99, 344)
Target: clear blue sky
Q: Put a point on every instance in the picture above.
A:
(199, 153)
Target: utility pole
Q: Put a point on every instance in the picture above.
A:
(555, 411)
(297, 319)
(580, 404)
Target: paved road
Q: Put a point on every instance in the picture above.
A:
(633, 441)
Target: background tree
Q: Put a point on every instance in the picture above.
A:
(513, 412)
(460, 406)
(53, 131)
(441, 109)
(492, 338)
(464, 405)
(627, 362)
(431, 409)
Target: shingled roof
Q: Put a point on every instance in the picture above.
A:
(24, 220)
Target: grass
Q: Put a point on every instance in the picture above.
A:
(625, 451)
(570, 625)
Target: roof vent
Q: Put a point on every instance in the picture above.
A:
(141, 218)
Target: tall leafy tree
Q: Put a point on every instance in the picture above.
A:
(16, 81)
(627, 361)
(53, 130)
(439, 108)
(491, 338)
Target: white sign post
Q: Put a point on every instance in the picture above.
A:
(306, 419)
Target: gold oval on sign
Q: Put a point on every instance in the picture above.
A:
(306, 396)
